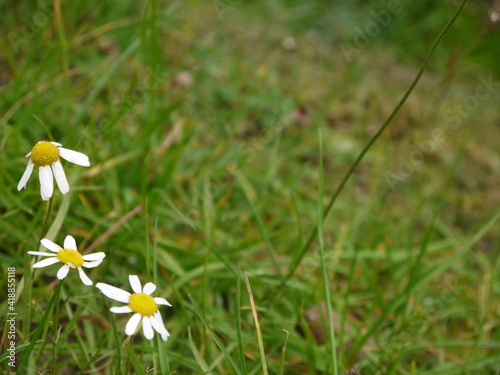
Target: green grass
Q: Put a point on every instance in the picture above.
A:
(212, 189)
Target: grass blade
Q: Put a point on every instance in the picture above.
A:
(257, 327)
(246, 189)
(197, 355)
(371, 142)
(215, 338)
(324, 271)
(41, 325)
(281, 369)
(138, 367)
(239, 329)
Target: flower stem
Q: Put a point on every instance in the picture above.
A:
(45, 223)
(162, 357)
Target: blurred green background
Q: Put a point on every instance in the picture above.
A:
(206, 115)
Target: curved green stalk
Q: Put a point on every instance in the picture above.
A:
(371, 142)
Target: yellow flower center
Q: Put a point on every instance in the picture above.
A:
(143, 304)
(44, 153)
(71, 256)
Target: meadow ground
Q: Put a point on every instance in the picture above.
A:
(218, 132)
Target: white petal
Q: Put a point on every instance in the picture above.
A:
(70, 243)
(157, 316)
(132, 324)
(46, 182)
(55, 144)
(46, 262)
(60, 176)
(26, 175)
(149, 288)
(84, 277)
(41, 253)
(74, 157)
(63, 272)
(121, 310)
(91, 264)
(112, 292)
(158, 326)
(147, 329)
(94, 256)
(164, 336)
(70, 265)
(161, 301)
(135, 283)
(49, 245)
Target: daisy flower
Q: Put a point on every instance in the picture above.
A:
(69, 257)
(142, 304)
(45, 155)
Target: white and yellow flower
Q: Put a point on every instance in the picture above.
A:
(142, 304)
(45, 155)
(69, 257)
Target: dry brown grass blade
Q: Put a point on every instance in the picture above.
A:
(112, 229)
(257, 326)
